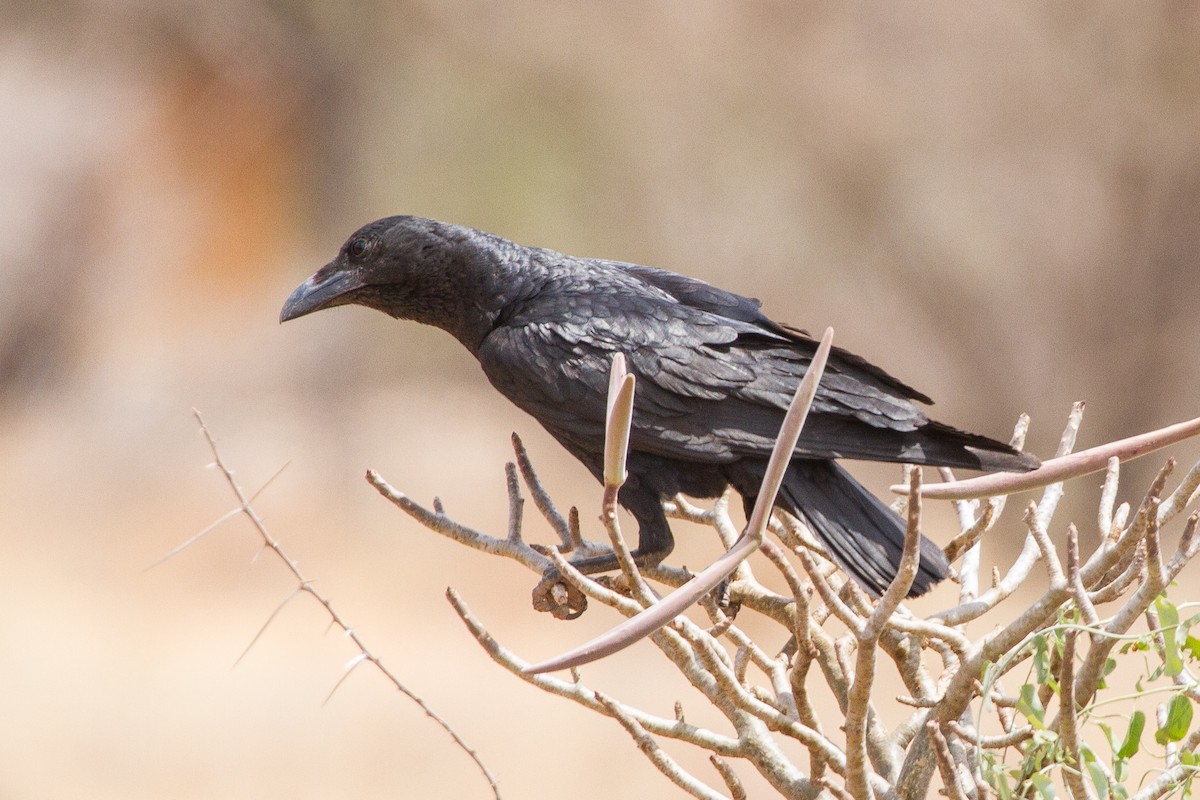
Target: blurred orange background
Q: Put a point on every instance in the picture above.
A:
(998, 203)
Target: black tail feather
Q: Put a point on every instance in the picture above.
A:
(860, 533)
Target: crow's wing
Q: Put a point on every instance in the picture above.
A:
(706, 297)
(711, 387)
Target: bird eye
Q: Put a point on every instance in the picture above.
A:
(358, 248)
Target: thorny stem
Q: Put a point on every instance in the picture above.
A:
(303, 584)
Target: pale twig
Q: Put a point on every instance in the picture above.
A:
(1010, 739)
(732, 782)
(1169, 780)
(1115, 588)
(1108, 498)
(665, 764)
(516, 504)
(437, 521)
(806, 651)
(828, 594)
(1068, 721)
(1179, 499)
(1063, 468)
(746, 707)
(967, 542)
(1030, 550)
(972, 529)
(674, 728)
(542, 499)
(837, 791)
(1189, 543)
(858, 708)
(1113, 555)
(1045, 546)
(927, 629)
(945, 762)
(1152, 585)
(306, 586)
(1075, 582)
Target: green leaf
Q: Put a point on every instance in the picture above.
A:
(1029, 705)
(1168, 618)
(1045, 786)
(1133, 735)
(993, 773)
(1041, 658)
(1109, 665)
(1179, 719)
(1001, 786)
(1099, 779)
(1168, 614)
(1192, 646)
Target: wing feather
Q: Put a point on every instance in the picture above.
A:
(711, 387)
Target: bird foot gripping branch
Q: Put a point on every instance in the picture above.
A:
(558, 597)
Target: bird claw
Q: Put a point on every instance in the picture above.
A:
(561, 599)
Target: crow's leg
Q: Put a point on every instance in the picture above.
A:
(655, 543)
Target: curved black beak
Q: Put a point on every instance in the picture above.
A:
(322, 290)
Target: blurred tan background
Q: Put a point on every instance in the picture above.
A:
(999, 203)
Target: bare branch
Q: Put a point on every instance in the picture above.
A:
(1068, 722)
(734, 784)
(666, 765)
(440, 523)
(541, 498)
(946, 765)
(1009, 739)
(1075, 582)
(674, 728)
(1061, 469)
(1108, 498)
(516, 504)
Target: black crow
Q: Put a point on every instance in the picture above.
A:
(714, 377)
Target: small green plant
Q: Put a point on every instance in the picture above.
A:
(1165, 679)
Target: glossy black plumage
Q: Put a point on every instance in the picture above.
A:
(714, 379)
